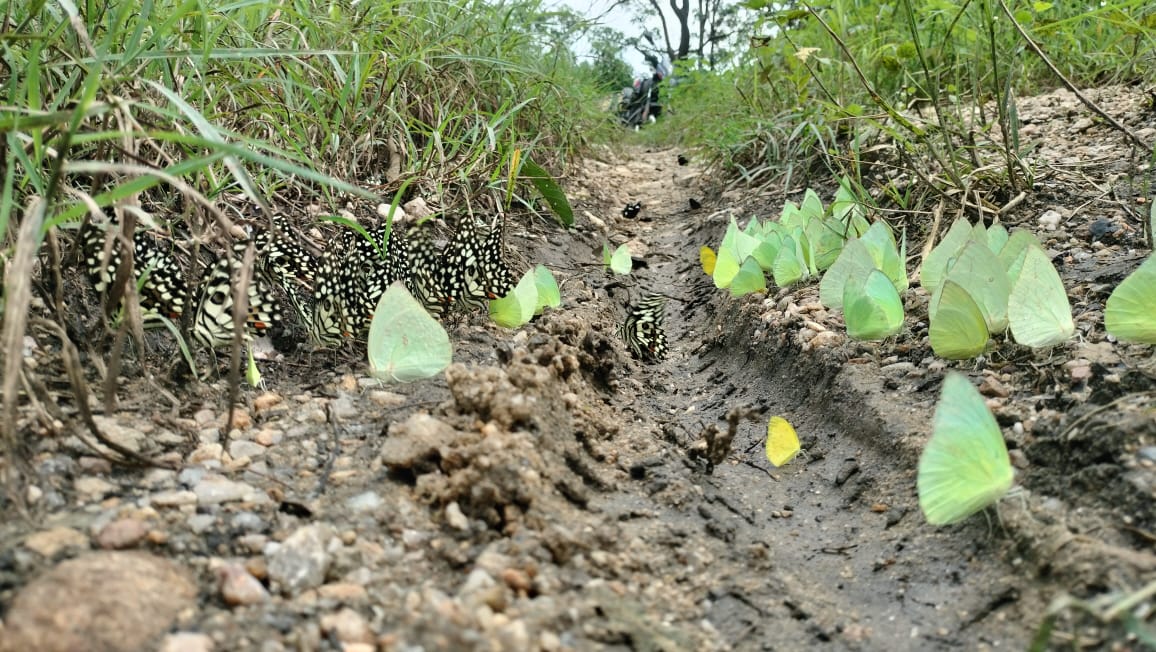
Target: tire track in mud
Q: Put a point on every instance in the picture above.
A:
(831, 549)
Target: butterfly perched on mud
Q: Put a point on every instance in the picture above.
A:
(631, 211)
(468, 271)
(163, 291)
(643, 329)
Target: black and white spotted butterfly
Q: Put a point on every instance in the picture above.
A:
(287, 264)
(213, 320)
(631, 210)
(353, 274)
(478, 261)
(163, 291)
(435, 280)
(642, 331)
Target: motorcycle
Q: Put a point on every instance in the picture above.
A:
(639, 103)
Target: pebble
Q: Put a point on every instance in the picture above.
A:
(1050, 219)
(455, 518)
(348, 626)
(385, 399)
(238, 587)
(300, 561)
(242, 448)
(344, 592)
(367, 501)
(122, 533)
(247, 522)
(92, 488)
(49, 542)
(199, 523)
(187, 642)
(206, 453)
(214, 490)
(268, 437)
(172, 498)
(266, 401)
(109, 601)
(126, 436)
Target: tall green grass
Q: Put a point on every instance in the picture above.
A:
(255, 96)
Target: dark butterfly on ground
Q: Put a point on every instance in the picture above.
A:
(695, 204)
(468, 271)
(682, 160)
(642, 331)
(163, 291)
(213, 321)
(631, 210)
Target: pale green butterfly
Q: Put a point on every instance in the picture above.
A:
(958, 330)
(1130, 313)
(749, 279)
(619, 261)
(548, 294)
(997, 237)
(872, 308)
(978, 271)
(405, 342)
(1038, 309)
(517, 307)
(934, 267)
(855, 261)
(789, 266)
(880, 241)
(964, 466)
(1015, 250)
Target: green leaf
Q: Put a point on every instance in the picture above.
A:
(550, 191)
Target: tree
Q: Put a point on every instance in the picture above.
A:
(717, 27)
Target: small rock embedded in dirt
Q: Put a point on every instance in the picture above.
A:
(415, 444)
(98, 602)
(300, 561)
(213, 490)
(187, 642)
(122, 533)
(1050, 220)
(239, 587)
(347, 626)
(49, 542)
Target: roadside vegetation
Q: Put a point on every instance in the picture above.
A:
(818, 88)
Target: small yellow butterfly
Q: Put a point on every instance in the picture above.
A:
(707, 257)
(782, 441)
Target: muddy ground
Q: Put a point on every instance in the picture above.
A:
(549, 492)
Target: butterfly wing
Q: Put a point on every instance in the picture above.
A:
(1130, 313)
(782, 441)
(965, 465)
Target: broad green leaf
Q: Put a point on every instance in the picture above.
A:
(550, 191)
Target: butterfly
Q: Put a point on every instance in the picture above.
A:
(484, 275)
(213, 320)
(163, 291)
(631, 210)
(642, 331)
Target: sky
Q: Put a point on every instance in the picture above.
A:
(607, 13)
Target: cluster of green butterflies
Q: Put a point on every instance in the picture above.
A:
(982, 280)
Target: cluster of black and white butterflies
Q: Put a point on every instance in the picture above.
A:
(334, 295)
(643, 331)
